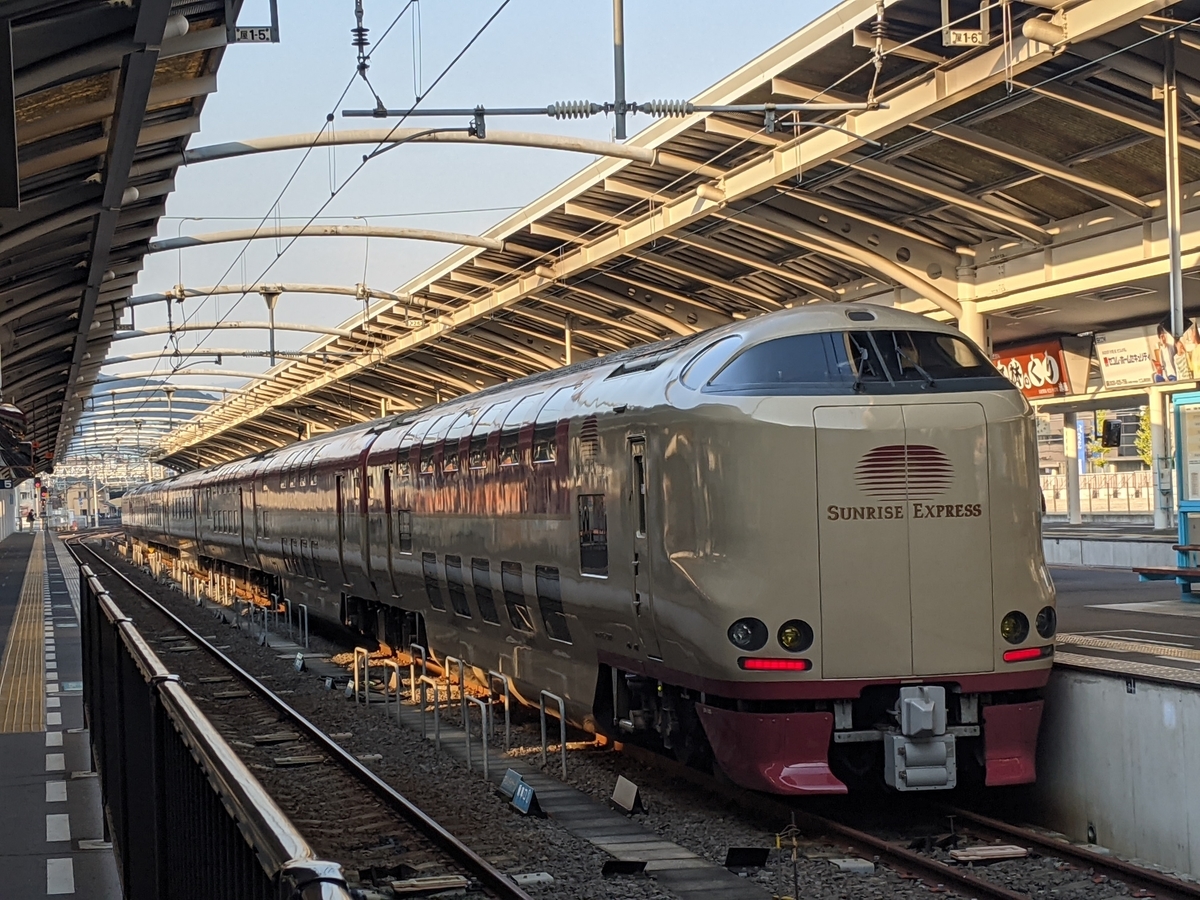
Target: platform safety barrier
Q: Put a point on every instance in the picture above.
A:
(189, 820)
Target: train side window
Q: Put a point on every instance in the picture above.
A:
(514, 596)
(454, 580)
(316, 560)
(427, 460)
(545, 443)
(481, 578)
(477, 454)
(510, 453)
(432, 587)
(404, 530)
(450, 460)
(593, 535)
(549, 594)
(305, 560)
(403, 468)
(705, 363)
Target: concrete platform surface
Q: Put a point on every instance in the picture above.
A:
(1109, 620)
(51, 833)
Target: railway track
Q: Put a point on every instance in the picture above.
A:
(901, 855)
(341, 806)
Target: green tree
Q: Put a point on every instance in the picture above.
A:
(1141, 440)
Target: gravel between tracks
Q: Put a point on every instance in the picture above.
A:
(677, 810)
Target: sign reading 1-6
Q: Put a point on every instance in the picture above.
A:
(964, 37)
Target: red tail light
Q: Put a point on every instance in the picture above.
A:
(760, 664)
(1028, 653)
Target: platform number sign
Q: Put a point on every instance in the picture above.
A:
(965, 37)
(257, 34)
(7, 484)
(958, 32)
(251, 34)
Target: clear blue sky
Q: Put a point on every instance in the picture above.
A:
(536, 52)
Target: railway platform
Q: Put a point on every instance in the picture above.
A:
(1109, 621)
(51, 834)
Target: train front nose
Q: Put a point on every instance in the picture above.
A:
(905, 540)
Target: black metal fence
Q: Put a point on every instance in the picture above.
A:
(188, 819)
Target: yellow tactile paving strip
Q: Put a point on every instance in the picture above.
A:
(22, 673)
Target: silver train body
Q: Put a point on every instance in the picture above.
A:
(805, 547)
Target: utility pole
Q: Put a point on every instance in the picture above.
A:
(619, 67)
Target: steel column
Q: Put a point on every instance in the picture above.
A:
(1071, 454)
(1170, 95)
(619, 68)
(10, 178)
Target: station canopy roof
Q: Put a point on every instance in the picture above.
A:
(1024, 173)
(98, 87)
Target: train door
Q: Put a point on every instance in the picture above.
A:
(952, 621)
(390, 538)
(242, 521)
(866, 608)
(341, 524)
(636, 514)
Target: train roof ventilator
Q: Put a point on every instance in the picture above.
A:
(921, 757)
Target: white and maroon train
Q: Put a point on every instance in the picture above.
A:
(804, 546)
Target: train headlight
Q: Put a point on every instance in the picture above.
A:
(1046, 622)
(1014, 627)
(795, 636)
(748, 634)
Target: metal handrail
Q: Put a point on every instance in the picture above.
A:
(487, 873)
(462, 684)
(562, 726)
(365, 655)
(413, 650)
(285, 856)
(494, 676)
(437, 715)
(388, 682)
(484, 717)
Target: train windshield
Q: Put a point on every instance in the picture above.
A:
(868, 361)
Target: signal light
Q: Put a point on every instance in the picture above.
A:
(1028, 653)
(763, 664)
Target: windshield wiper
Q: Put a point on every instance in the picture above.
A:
(858, 372)
(929, 382)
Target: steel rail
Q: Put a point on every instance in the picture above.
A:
(489, 875)
(1130, 873)
(899, 858)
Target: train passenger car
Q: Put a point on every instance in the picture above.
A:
(805, 547)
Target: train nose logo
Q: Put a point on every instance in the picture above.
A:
(904, 472)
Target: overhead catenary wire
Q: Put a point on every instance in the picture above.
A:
(329, 118)
(382, 147)
(884, 151)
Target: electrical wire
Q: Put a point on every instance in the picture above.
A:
(384, 143)
(240, 258)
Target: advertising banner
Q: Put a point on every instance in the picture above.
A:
(1149, 354)
(1038, 370)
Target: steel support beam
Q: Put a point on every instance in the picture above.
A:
(295, 231)
(1174, 201)
(10, 178)
(235, 326)
(924, 95)
(133, 91)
